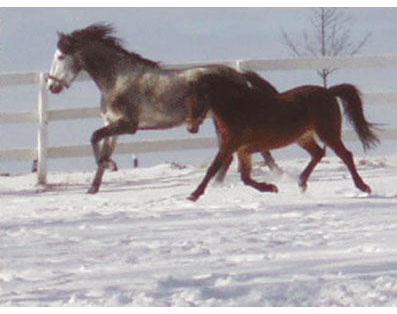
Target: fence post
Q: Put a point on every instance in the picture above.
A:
(237, 65)
(42, 138)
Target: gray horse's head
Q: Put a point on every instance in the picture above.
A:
(90, 48)
(67, 61)
(65, 64)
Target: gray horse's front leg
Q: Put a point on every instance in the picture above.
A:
(102, 157)
(97, 180)
(108, 147)
(104, 162)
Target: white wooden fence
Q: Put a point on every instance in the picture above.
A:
(43, 115)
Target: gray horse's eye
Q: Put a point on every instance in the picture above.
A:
(61, 57)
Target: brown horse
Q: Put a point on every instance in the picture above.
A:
(250, 119)
(254, 80)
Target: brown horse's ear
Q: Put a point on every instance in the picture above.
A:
(66, 43)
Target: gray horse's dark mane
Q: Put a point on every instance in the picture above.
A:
(99, 32)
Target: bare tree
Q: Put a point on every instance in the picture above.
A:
(330, 35)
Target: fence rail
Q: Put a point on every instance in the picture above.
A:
(43, 116)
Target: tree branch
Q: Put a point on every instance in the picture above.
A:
(330, 35)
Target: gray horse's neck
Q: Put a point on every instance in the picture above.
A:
(105, 65)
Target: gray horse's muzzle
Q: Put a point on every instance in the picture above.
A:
(55, 85)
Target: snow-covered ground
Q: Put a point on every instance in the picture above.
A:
(139, 241)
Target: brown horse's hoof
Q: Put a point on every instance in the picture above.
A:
(93, 190)
(273, 188)
(303, 187)
(365, 188)
(193, 197)
(264, 187)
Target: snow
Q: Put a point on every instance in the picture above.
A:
(140, 242)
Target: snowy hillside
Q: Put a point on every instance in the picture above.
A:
(140, 242)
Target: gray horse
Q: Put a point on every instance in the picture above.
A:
(136, 93)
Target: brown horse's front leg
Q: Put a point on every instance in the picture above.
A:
(317, 153)
(212, 170)
(244, 159)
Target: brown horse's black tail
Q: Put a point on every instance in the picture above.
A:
(352, 104)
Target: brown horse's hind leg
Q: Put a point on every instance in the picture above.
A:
(244, 159)
(347, 157)
(317, 153)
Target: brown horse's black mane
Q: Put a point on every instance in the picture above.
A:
(98, 32)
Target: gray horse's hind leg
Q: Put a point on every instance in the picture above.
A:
(270, 162)
(220, 177)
